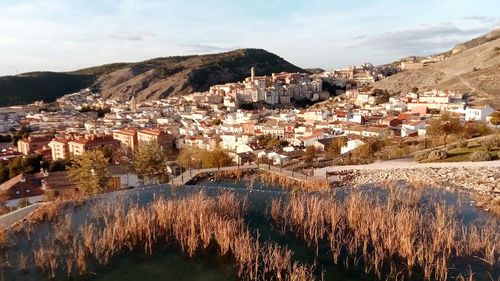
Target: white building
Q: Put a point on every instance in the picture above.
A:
(351, 145)
(478, 113)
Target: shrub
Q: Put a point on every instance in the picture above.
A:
(437, 155)
(451, 147)
(461, 144)
(421, 156)
(480, 156)
(472, 144)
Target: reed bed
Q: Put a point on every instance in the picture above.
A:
(395, 238)
(293, 183)
(194, 224)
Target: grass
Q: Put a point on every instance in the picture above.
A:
(463, 154)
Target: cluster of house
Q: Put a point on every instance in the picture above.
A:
(277, 89)
(358, 76)
(213, 118)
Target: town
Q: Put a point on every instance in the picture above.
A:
(255, 120)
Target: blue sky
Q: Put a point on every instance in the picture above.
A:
(62, 35)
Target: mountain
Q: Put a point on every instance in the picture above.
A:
(472, 66)
(48, 86)
(150, 79)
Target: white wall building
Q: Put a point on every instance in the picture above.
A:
(476, 113)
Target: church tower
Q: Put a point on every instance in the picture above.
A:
(252, 73)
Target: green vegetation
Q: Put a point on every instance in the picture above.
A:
(150, 163)
(485, 150)
(101, 111)
(334, 147)
(366, 153)
(191, 157)
(270, 142)
(480, 156)
(235, 66)
(90, 172)
(495, 118)
(437, 154)
(444, 126)
(47, 86)
(310, 155)
(24, 132)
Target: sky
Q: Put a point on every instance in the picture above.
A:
(65, 35)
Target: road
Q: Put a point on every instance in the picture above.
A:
(9, 219)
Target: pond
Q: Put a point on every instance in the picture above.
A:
(168, 262)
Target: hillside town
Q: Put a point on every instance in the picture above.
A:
(220, 117)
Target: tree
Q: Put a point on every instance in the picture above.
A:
(216, 122)
(58, 165)
(445, 126)
(334, 147)
(150, 163)
(4, 173)
(495, 119)
(26, 164)
(366, 152)
(475, 129)
(310, 154)
(186, 156)
(90, 172)
(214, 158)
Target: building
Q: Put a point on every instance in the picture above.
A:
(59, 148)
(478, 113)
(23, 185)
(30, 144)
(90, 142)
(157, 135)
(127, 138)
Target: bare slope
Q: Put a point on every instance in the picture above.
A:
(472, 67)
(158, 78)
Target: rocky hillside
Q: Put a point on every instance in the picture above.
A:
(472, 67)
(151, 79)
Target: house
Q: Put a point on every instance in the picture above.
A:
(411, 128)
(23, 185)
(157, 135)
(58, 184)
(125, 180)
(127, 138)
(59, 148)
(478, 113)
(91, 142)
(243, 158)
(312, 138)
(351, 145)
(28, 145)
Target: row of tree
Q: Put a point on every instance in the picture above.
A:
(193, 158)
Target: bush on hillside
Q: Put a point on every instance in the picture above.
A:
(421, 156)
(437, 155)
(480, 156)
(472, 144)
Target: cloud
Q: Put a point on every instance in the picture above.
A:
(419, 40)
(131, 37)
(126, 37)
(201, 48)
(481, 19)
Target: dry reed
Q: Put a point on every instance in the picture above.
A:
(393, 238)
(195, 223)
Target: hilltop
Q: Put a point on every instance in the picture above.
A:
(150, 79)
(472, 66)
